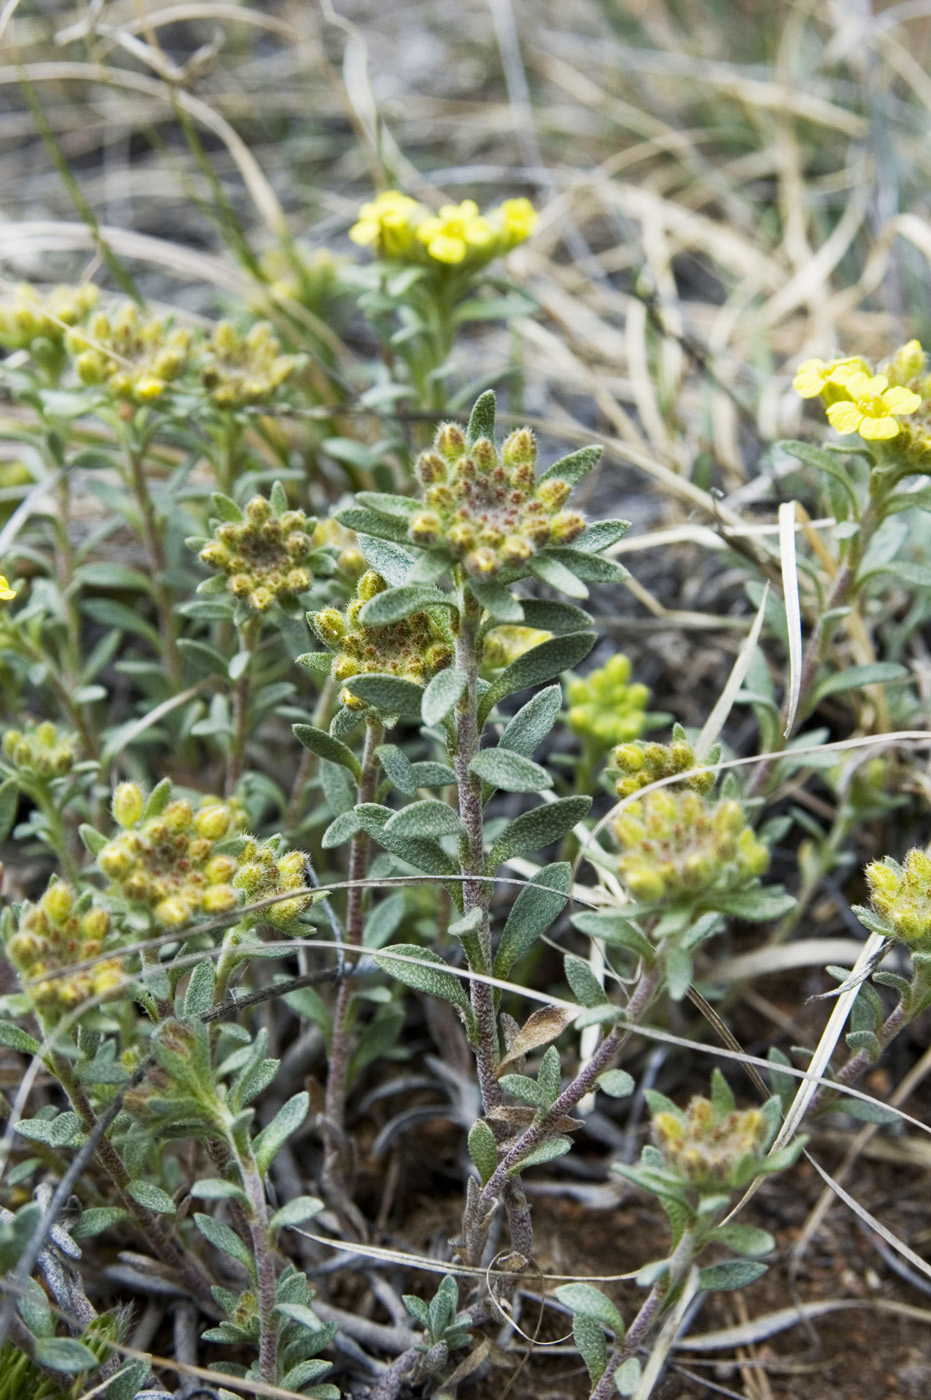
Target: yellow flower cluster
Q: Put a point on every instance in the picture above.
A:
(901, 895)
(263, 873)
(413, 648)
(486, 509)
(241, 370)
(395, 226)
(707, 1149)
(41, 751)
(33, 317)
(263, 555)
(136, 358)
(642, 764)
(51, 937)
(604, 707)
(857, 400)
(167, 864)
(675, 844)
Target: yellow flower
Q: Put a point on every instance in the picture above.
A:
(517, 220)
(454, 231)
(386, 224)
(813, 376)
(6, 592)
(871, 406)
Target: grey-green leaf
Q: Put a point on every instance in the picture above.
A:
(482, 418)
(285, 1122)
(483, 1149)
(427, 818)
(541, 826)
(730, 1275)
(433, 978)
(590, 1340)
(586, 988)
(510, 771)
(575, 466)
(533, 721)
(390, 695)
(441, 694)
(319, 742)
(397, 603)
(588, 1301)
(499, 602)
(540, 664)
(617, 1083)
(535, 908)
(65, 1354)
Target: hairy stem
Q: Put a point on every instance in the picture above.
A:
(248, 637)
(264, 1257)
(153, 543)
(649, 1314)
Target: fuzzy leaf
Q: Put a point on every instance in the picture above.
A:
(541, 826)
(482, 418)
(678, 972)
(855, 677)
(547, 1151)
(540, 664)
(551, 571)
(390, 560)
(65, 1354)
(729, 1275)
(435, 978)
(543, 1026)
(214, 1188)
(535, 908)
(586, 988)
(296, 1211)
(96, 1219)
(611, 926)
(757, 905)
(499, 602)
(226, 1240)
(588, 1301)
(427, 818)
(199, 994)
(617, 1083)
(593, 1349)
(627, 1376)
(319, 742)
(575, 466)
(593, 568)
(483, 1149)
(15, 1039)
(397, 603)
(601, 535)
(533, 721)
(151, 1197)
(510, 771)
(744, 1239)
(441, 694)
(390, 695)
(93, 840)
(553, 616)
(372, 522)
(285, 1122)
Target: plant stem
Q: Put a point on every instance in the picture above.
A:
(248, 637)
(335, 1097)
(153, 543)
(264, 1257)
(647, 1317)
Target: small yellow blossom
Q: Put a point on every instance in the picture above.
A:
(871, 407)
(516, 219)
(813, 376)
(385, 224)
(6, 592)
(451, 234)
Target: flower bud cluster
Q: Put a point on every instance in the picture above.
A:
(506, 643)
(604, 707)
(486, 509)
(859, 400)
(40, 751)
(675, 844)
(168, 864)
(641, 764)
(264, 555)
(51, 937)
(241, 370)
(136, 358)
(33, 317)
(709, 1148)
(413, 648)
(263, 873)
(901, 896)
(395, 226)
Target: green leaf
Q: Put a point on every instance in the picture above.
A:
(499, 602)
(198, 997)
(551, 571)
(482, 418)
(427, 818)
(285, 1122)
(128, 1381)
(722, 1097)
(538, 904)
(678, 972)
(593, 568)
(371, 522)
(575, 466)
(730, 1275)
(390, 560)
(151, 1197)
(556, 617)
(225, 508)
(611, 926)
(321, 743)
(533, 721)
(320, 662)
(214, 1188)
(296, 1211)
(434, 978)
(342, 829)
(601, 534)
(226, 1240)
(756, 905)
(483, 1149)
(9, 801)
(524, 1088)
(541, 826)
(510, 771)
(64, 1354)
(441, 694)
(547, 1151)
(397, 768)
(593, 1349)
(540, 664)
(390, 695)
(382, 920)
(15, 1039)
(627, 1376)
(586, 988)
(432, 775)
(744, 1239)
(96, 1219)
(822, 461)
(855, 677)
(397, 603)
(588, 1301)
(617, 1083)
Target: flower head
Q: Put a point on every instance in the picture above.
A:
(263, 873)
(395, 226)
(264, 555)
(677, 845)
(240, 370)
(40, 751)
(870, 407)
(711, 1147)
(814, 377)
(386, 224)
(901, 895)
(604, 707)
(50, 937)
(454, 232)
(137, 359)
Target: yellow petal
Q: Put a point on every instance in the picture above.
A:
(844, 417)
(859, 385)
(446, 249)
(874, 429)
(809, 379)
(6, 592)
(901, 400)
(364, 232)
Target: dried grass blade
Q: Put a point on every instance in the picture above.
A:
(793, 609)
(725, 702)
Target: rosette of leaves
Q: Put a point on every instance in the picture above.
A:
(446, 1329)
(301, 1335)
(487, 514)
